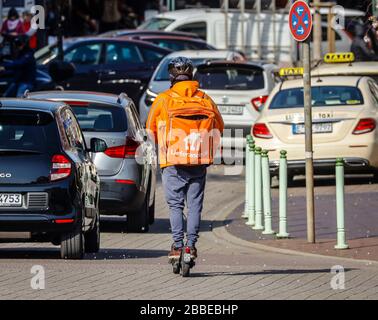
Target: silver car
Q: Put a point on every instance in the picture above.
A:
(160, 79)
(127, 168)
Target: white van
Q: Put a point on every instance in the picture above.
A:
(210, 25)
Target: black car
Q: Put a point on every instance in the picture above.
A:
(49, 187)
(110, 65)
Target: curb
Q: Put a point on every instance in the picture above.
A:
(220, 231)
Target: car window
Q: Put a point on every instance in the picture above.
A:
(88, 54)
(230, 78)
(321, 96)
(122, 53)
(151, 55)
(156, 24)
(199, 28)
(96, 117)
(72, 130)
(28, 130)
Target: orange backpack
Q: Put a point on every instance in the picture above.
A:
(189, 135)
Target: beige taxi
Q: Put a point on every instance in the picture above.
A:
(343, 64)
(345, 114)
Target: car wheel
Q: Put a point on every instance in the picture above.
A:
(72, 245)
(151, 212)
(92, 238)
(139, 221)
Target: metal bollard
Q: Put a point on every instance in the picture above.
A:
(267, 198)
(283, 196)
(258, 190)
(251, 189)
(247, 180)
(341, 243)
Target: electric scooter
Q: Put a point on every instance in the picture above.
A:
(184, 263)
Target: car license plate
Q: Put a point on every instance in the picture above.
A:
(10, 200)
(236, 110)
(316, 128)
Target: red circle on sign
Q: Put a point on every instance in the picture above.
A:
(300, 20)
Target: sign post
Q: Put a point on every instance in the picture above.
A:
(300, 23)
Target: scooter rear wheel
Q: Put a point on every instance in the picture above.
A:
(185, 272)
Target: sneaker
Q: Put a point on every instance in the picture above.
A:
(175, 253)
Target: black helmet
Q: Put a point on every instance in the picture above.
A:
(180, 68)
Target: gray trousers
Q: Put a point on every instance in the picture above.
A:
(184, 183)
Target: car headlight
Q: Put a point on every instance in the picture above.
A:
(150, 97)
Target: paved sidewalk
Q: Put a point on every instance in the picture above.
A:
(134, 266)
(361, 220)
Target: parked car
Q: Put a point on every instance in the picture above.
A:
(269, 32)
(344, 111)
(111, 65)
(160, 79)
(240, 89)
(127, 168)
(175, 43)
(49, 186)
(141, 32)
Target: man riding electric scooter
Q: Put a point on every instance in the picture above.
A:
(187, 126)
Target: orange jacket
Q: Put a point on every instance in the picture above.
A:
(184, 89)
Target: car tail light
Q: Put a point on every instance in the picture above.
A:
(64, 221)
(61, 167)
(260, 130)
(125, 151)
(115, 152)
(258, 102)
(125, 181)
(364, 126)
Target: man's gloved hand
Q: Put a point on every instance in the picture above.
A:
(2, 69)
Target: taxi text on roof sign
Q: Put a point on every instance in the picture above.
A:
(291, 71)
(339, 57)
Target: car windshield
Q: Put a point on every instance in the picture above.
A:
(96, 117)
(156, 24)
(230, 78)
(27, 132)
(321, 96)
(163, 75)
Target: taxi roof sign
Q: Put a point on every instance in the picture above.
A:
(291, 71)
(339, 57)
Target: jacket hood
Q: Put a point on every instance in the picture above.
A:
(185, 88)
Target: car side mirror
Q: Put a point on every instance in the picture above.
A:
(98, 145)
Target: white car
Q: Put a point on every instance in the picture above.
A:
(160, 79)
(344, 116)
(240, 89)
